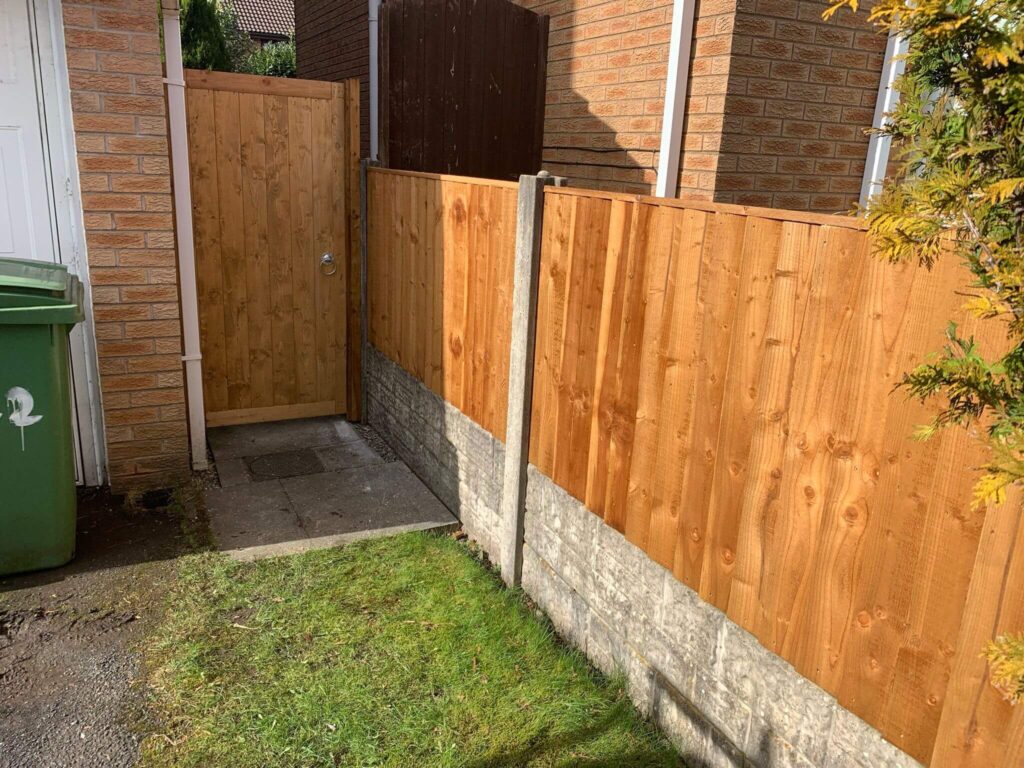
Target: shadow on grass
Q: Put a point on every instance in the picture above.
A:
(616, 717)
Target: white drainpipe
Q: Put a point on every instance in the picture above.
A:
(675, 97)
(878, 146)
(374, 12)
(192, 358)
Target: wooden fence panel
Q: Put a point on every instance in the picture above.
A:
(716, 383)
(462, 87)
(274, 173)
(440, 254)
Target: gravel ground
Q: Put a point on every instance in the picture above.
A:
(70, 690)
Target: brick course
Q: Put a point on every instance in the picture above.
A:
(113, 51)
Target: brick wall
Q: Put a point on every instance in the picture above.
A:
(332, 42)
(605, 92)
(117, 97)
(801, 91)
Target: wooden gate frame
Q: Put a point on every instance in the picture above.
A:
(348, 92)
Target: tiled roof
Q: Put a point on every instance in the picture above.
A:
(267, 17)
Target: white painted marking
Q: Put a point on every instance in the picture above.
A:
(21, 403)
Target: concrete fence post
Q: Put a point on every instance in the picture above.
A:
(529, 225)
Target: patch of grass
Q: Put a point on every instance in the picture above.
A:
(396, 652)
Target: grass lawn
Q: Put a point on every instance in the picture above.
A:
(396, 652)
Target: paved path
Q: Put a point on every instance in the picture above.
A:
(292, 486)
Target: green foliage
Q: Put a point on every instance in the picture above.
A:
(211, 38)
(959, 127)
(272, 60)
(204, 44)
(1006, 660)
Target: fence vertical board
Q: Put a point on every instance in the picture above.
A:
(559, 213)
(651, 371)
(679, 382)
(719, 266)
(206, 218)
(455, 294)
(761, 243)
(257, 253)
(751, 593)
(979, 728)
(609, 342)
(621, 387)
(844, 434)
(583, 307)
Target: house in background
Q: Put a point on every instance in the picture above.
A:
(265, 21)
(768, 104)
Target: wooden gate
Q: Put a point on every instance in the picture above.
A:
(274, 170)
(462, 87)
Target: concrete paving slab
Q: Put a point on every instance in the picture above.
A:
(375, 496)
(232, 472)
(347, 455)
(279, 437)
(338, 540)
(274, 466)
(255, 514)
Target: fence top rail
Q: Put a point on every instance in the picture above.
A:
(780, 214)
(268, 86)
(447, 177)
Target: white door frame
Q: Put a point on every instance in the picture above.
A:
(68, 225)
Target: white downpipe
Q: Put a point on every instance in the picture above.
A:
(373, 13)
(878, 146)
(192, 358)
(675, 97)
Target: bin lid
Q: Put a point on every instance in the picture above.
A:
(36, 293)
(33, 275)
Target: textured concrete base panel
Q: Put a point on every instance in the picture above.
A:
(455, 457)
(709, 685)
(721, 696)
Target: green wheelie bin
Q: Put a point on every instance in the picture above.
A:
(39, 304)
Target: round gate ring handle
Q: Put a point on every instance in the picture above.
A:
(327, 260)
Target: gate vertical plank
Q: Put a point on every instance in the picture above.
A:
(232, 246)
(304, 257)
(279, 217)
(206, 219)
(327, 321)
(257, 251)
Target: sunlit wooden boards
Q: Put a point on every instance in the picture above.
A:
(274, 175)
(717, 383)
(440, 252)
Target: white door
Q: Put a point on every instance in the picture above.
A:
(40, 209)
